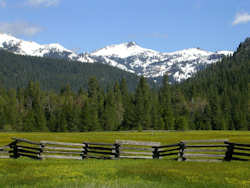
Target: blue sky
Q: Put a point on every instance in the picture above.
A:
(163, 25)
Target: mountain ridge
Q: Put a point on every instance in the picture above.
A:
(129, 56)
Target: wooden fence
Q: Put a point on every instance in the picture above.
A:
(189, 150)
(236, 151)
(5, 152)
(203, 150)
(167, 151)
(61, 150)
(136, 149)
(101, 150)
(25, 148)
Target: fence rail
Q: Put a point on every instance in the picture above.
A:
(5, 152)
(167, 151)
(136, 149)
(216, 150)
(203, 150)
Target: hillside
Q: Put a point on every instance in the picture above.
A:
(224, 88)
(52, 74)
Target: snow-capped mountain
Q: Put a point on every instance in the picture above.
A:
(179, 65)
(22, 47)
(129, 56)
(124, 50)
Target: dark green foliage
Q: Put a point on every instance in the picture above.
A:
(143, 105)
(224, 90)
(181, 123)
(166, 105)
(53, 74)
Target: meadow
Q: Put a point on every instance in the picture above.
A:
(124, 172)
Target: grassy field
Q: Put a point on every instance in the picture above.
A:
(124, 173)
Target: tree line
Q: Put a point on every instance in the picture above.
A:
(31, 109)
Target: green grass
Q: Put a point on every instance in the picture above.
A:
(164, 137)
(124, 173)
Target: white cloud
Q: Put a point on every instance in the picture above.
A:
(46, 3)
(241, 18)
(2, 3)
(19, 28)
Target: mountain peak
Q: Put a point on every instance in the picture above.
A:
(130, 44)
(57, 46)
(6, 38)
(123, 50)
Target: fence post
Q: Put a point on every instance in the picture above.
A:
(41, 151)
(181, 152)
(156, 153)
(229, 152)
(13, 145)
(85, 151)
(117, 150)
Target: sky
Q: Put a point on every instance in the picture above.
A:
(162, 25)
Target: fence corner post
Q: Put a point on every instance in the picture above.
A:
(181, 152)
(13, 145)
(229, 152)
(85, 151)
(117, 150)
(156, 154)
(41, 151)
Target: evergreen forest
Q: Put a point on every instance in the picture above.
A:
(52, 74)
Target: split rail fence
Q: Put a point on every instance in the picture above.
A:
(189, 150)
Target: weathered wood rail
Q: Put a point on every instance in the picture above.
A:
(5, 152)
(25, 148)
(166, 151)
(216, 150)
(203, 150)
(61, 150)
(100, 150)
(136, 149)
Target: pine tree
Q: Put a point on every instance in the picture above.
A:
(157, 120)
(89, 117)
(2, 112)
(29, 122)
(166, 106)
(109, 115)
(143, 104)
(128, 105)
(11, 112)
(217, 121)
(181, 123)
(119, 107)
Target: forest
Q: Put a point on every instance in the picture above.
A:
(53, 74)
(216, 98)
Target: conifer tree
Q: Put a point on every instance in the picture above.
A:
(109, 114)
(143, 104)
(11, 113)
(128, 105)
(166, 106)
(157, 120)
(119, 107)
(89, 118)
(94, 106)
